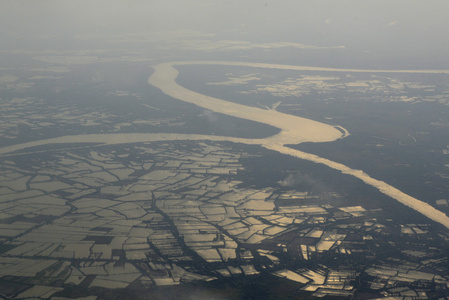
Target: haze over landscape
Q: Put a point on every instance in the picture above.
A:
(224, 150)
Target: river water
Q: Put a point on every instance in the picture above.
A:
(294, 130)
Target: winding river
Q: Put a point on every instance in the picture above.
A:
(293, 129)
